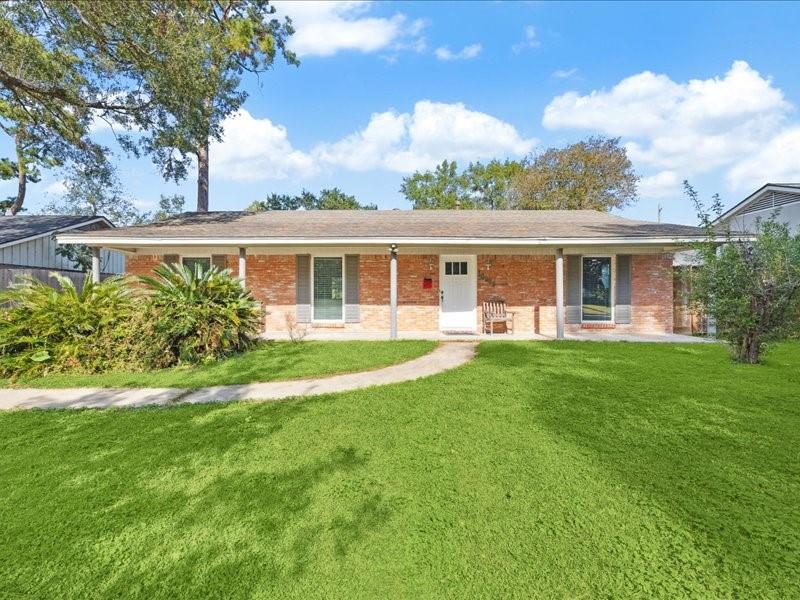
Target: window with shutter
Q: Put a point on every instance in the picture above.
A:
(303, 288)
(622, 309)
(573, 312)
(352, 309)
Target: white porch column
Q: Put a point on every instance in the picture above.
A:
(560, 293)
(393, 292)
(243, 266)
(96, 265)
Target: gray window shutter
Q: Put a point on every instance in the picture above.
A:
(573, 313)
(172, 259)
(622, 309)
(303, 288)
(352, 310)
(219, 261)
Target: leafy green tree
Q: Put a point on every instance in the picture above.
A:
(336, 199)
(93, 189)
(592, 174)
(224, 40)
(37, 149)
(750, 287)
(169, 206)
(328, 199)
(490, 184)
(54, 75)
(442, 188)
(479, 186)
(169, 70)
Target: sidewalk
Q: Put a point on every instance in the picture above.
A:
(445, 356)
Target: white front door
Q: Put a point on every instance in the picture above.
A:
(458, 293)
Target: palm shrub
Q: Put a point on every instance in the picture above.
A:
(48, 329)
(199, 315)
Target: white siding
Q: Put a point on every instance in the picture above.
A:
(41, 253)
(788, 213)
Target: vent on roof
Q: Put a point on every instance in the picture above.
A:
(771, 200)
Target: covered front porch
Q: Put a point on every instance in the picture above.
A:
(402, 291)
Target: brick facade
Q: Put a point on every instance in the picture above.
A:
(525, 282)
(528, 286)
(651, 293)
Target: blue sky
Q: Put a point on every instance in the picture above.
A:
(701, 91)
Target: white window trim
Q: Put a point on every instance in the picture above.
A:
(613, 263)
(344, 288)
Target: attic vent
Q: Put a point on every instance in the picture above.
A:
(771, 200)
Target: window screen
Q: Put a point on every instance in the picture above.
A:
(194, 263)
(328, 288)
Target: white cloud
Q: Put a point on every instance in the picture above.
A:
(325, 28)
(689, 127)
(531, 40)
(143, 205)
(57, 188)
(467, 52)
(661, 185)
(776, 162)
(564, 73)
(256, 149)
(404, 142)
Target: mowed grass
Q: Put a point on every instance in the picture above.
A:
(540, 470)
(269, 361)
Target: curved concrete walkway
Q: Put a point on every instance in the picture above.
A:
(446, 356)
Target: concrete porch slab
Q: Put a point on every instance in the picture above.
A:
(595, 335)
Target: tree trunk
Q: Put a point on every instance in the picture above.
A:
(22, 175)
(750, 350)
(202, 177)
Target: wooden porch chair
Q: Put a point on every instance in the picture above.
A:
(495, 311)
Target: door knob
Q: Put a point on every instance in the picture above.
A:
(441, 295)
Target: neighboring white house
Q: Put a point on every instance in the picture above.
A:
(780, 199)
(28, 247)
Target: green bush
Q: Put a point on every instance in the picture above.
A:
(178, 316)
(199, 315)
(45, 329)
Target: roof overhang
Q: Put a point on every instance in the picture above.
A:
(58, 230)
(151, 242)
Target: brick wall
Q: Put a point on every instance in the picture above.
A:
(272, 281)
(373, 292)
(527, 284)
(651, 293)
(417, 307)
(142, 264)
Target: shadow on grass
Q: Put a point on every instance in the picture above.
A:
(713, 444)
(197, 502)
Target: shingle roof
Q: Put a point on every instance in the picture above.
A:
(20, 227)
(473, 224)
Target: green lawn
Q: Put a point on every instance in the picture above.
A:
(270, 361)
(540, 470)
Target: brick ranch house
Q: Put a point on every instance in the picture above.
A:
(405, 272)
